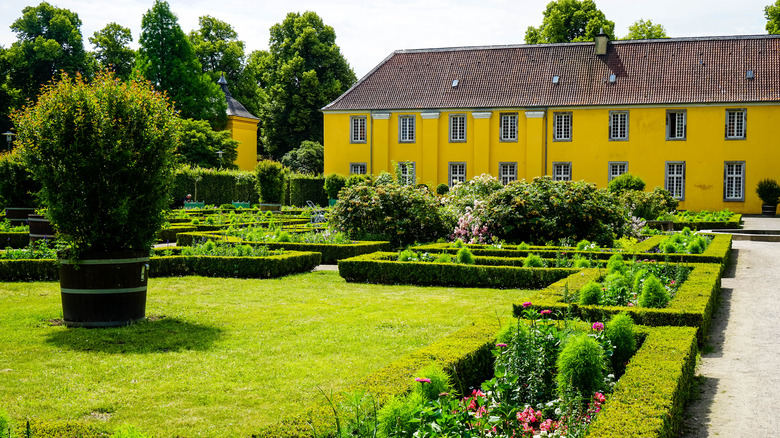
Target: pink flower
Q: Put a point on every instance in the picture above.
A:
(598, 326)
(546, 312)
(423, 380)
(526, 304)
(630, 304)
(599, 397)
(501, 345)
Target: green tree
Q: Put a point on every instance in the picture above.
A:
(112, 50)
(49, 40)
(167, 60)
(306, 71)
(200, 143)
(772, 14)
(570, 21)
(646, 30)
(309, 158)
(218, 49)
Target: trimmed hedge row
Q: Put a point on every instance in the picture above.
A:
(692, 306)
(331, 253)
(307, 188)
(649, 399)
(216, 187)
(465, 355)
(732, 223)
(290, 262)
(381, 267)
(718, 251)
(14, 240)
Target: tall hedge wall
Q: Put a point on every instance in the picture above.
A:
(215, 186)
(307, 188)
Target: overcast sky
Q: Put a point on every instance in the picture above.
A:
(368, 31)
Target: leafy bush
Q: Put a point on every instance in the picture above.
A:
(620, 332)
(270, 181)
(768, 191)
(616, 264)
(308, 158)
(200, 143)
(464, 256)
(654, 294)
(533, 261)
(431, 382)
(580, 366)
(17, 186)
(626, 182)
(471, 193)
(399, 214)
(396, 418)
(334, 182)
(590, 294)
(545, 210)
(442, 189)
(103, 153)
(649, 205)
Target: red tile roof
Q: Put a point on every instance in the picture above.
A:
(668, 71)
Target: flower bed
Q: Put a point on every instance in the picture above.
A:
(702, 220)
(647, 401)
(692, 306)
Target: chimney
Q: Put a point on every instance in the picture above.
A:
(601, 42)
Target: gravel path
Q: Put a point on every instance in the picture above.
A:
(739, 373)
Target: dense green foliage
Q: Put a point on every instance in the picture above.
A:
(271, 177)
(305, 71)
(620, 332)
(624, 183)
(17, 186)
(103, 153)
(200, 143)
(768, 190)
(304, 187)
(649, 205)
(570, 21)
(334, 182)
(218, 49)
(645, 30)
(166, 58)
(772, 14)
(580, 366)
(544, 210)
(401, 214)
(309, 158)
(112, 49)
(214, 186)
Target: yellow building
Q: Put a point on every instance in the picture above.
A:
(243, 128)
(696, 116)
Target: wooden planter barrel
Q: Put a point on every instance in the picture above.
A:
(105, 289)
(40, 228)
(18, 215)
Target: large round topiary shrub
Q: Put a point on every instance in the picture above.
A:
(270, 181)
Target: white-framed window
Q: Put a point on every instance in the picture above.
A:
(735, 124)
(561, 171)
(734, 181)
(357, 125)
(357, 168)
(457, 127)
(617, 168)
(562, 126)
(507, 172)
(618, 125)
(508, 127)
(406, 173)
(675, 179)
(676, 124)
(406, 128)
(457, 173)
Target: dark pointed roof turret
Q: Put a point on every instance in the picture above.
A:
(234, 107)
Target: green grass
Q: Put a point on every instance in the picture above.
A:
(219, 357)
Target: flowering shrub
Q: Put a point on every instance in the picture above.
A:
(649, 205)
(470, 228)
(545, 210)
(401, 214)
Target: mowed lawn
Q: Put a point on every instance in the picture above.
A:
(220, 357)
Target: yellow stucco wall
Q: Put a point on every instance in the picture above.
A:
(704, 149)
(244, 131)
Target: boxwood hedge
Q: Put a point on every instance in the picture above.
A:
(14, 240)
(381, 267)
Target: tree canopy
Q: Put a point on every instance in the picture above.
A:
(112, 50)
(772, 14)
(218, 49)
(166, 58)
(49, 40)
(645, 30)
(200, 143)
(570, 21)
(309, 158)
(305, 70)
